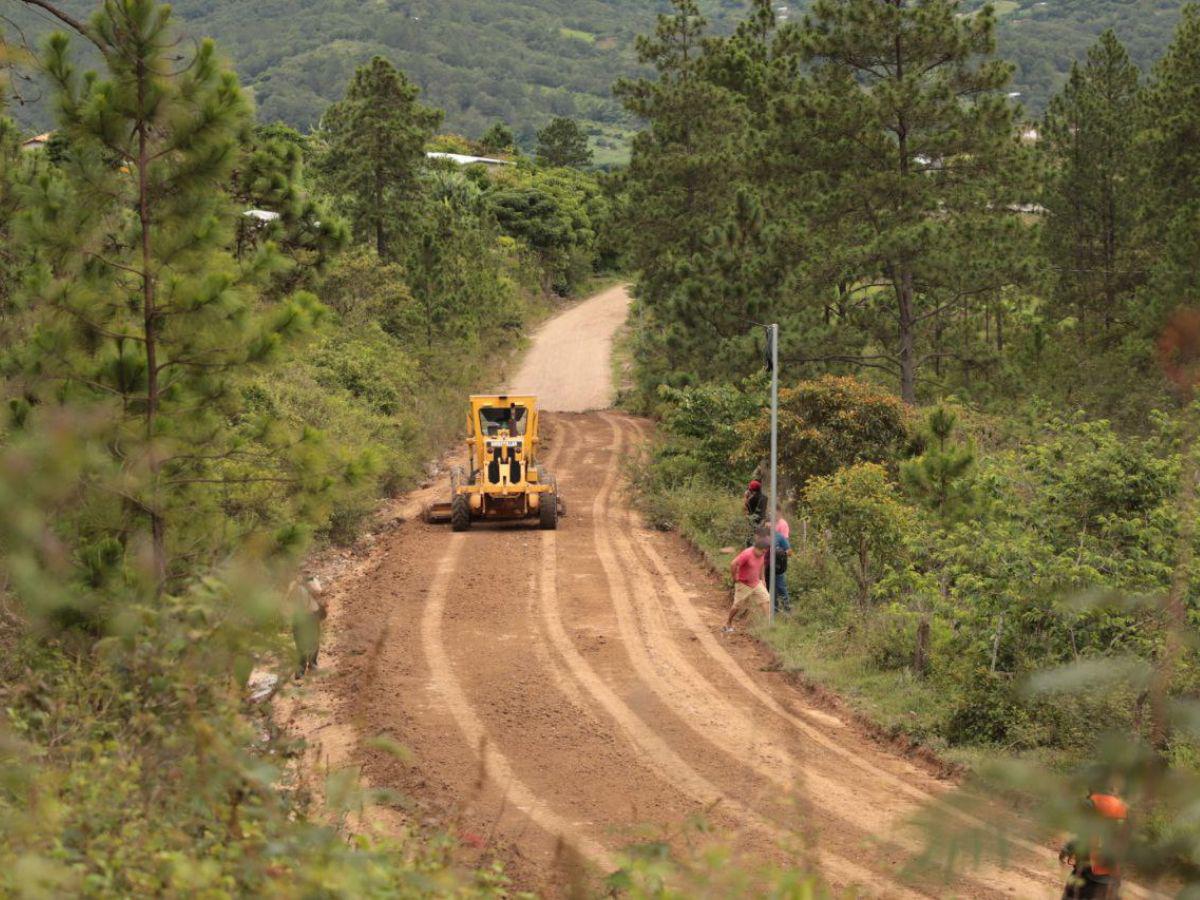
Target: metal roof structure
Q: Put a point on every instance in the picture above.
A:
(464, 160)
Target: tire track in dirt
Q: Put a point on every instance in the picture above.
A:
(497, 765)
(825, 775)
(546, 703)
(406, 682)
(656, 680)
(555, 760)
(1039, 867)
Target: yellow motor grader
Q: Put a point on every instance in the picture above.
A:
(504, 482)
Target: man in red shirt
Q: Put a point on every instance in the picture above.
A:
(747, 572)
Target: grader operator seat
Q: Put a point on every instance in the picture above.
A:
(503, 480)
(501, 426)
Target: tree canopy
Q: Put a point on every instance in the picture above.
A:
(562, 143)
(374, 145)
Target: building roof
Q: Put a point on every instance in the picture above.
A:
(40, 141)
(464, 160)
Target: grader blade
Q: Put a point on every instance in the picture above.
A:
(438, 513)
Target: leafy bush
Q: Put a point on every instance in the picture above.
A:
(989, 710)
(890, 635)
(558, 215)
(866, 521)
(706, 423)
(688, 504)
(829, 424)
(1011, 563)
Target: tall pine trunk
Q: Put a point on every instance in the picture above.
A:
(377, 212)
(158, 527)
(905, 297)
(905, 294)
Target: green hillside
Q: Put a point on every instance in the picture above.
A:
(521, 61)
(1043, 37)
(524, 61)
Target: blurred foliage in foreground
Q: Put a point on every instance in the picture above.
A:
(129, 763)
(205, 369)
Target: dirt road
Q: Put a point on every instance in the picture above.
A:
(565, 694)
(570, 365)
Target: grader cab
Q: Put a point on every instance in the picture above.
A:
(504, 481)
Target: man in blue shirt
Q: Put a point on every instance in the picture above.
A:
(783, 548)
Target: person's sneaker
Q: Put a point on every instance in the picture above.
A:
(728, 629)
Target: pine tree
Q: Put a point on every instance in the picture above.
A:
(684, 182)
(143, 314)
(917, 145)
(498, 139)
(375, 149)
(1092, 189)
(270, 177)
(721, 290)
(937, 479)
(452, 264)
(10, 175)
(12, 172)
(562, 144)
(1171, 153)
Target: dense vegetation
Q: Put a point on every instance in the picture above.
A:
(517, 62)
(552, 58)
(222, 342)
(987, 428)
(1043, 39)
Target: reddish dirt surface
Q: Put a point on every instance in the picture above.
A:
(565, 694)
(570, 364)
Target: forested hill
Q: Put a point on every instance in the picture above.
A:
(523, 61)
(1043, 37)
(520, 61)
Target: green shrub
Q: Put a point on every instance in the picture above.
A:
(706, 425)
(829, 424)
(369, 365)
(866, 521)
(989, 710)
(891, 636)
(709, 516)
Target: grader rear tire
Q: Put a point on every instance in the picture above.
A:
(460, 512)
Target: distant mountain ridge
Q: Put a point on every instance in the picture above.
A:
(524, 61)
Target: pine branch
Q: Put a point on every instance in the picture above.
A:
(264, 479)
(67, 19)
(116, 265)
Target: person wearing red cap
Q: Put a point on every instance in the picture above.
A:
(756, 506)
